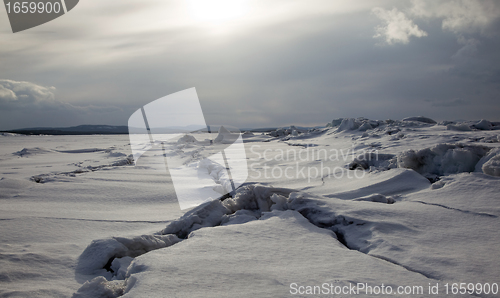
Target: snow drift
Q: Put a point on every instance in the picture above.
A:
(443, 159)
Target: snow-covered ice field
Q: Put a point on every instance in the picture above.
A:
(400, 203)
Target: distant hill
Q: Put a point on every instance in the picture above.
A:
(112, 130)
(73, 130)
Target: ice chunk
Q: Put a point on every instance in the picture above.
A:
(120, 265)
(280, 132)
(443, 159)
(336, 122)
(365, 126)
(483, 125)
(256, 197)
(348, 124)
(206, 215)
(490, 164)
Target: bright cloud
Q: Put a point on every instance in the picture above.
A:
(397, 26)
(15, 93)
(460, 16)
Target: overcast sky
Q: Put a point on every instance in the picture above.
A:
(255, 63)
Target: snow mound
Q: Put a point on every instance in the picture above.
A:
(490, 164)
(420, 119)
(280, 132)
(206, 215)
(186, 139)
(492, 167)
(283, 132)
(389, 183)
(218, 174)
(255, 197)
(483, 125)
(378, 126)
(349, 124)
(250, 197)
(471, 125)
(442, 159)
(100, 253)
(31, 151)
(250, 201)
(361, 124)
(365, 126)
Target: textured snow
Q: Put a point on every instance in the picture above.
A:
(186, 139)
(402, 203)
(443, 159)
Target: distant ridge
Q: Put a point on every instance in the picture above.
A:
(73, 130)
(113, 130)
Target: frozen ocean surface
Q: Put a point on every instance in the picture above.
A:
(399, 203)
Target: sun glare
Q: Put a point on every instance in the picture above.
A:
(216, 12)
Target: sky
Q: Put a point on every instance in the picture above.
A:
(254, 63)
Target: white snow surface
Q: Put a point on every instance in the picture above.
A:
(399, 203)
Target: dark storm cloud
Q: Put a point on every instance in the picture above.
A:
(303, 69)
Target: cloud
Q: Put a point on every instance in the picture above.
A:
(464, 18)
(15, 94)
(25, 104)
(460, 16)
(397, 28)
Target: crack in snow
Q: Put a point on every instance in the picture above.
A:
(456, 209)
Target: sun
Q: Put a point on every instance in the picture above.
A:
(216, 12)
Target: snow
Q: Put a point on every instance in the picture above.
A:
(186, 139)
(95, 257)
(492, 166)
(443, 159)
(420, 119)
(361, 201)
(458, 127)
(483, 125)
(349, 124)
